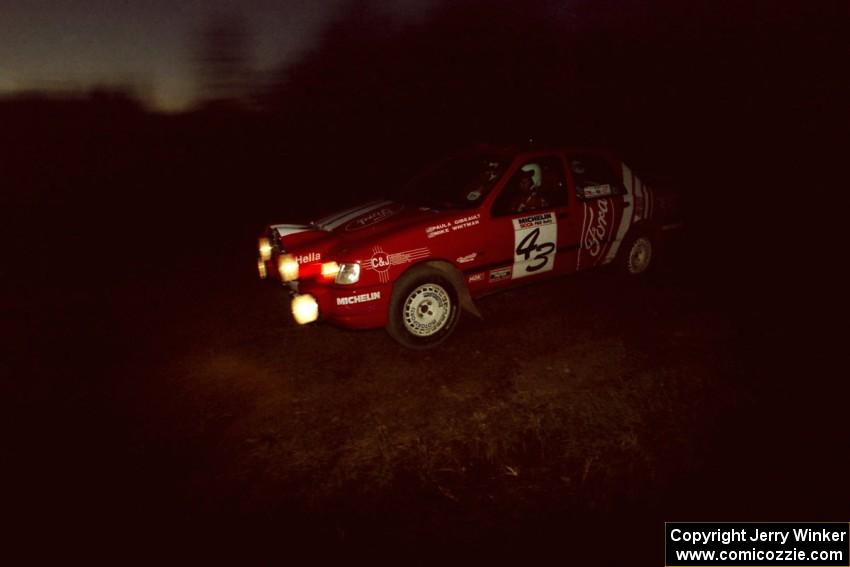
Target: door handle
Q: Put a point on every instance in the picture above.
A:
(563, 215)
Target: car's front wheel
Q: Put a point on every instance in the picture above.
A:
(424, 308)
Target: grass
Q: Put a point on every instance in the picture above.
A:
(580, 408)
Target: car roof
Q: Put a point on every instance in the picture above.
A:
(513, 150)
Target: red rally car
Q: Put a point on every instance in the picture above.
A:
(475, 223)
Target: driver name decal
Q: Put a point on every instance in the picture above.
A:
(535, 241)
(454, 225)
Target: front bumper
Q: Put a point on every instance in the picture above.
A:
(353, 307)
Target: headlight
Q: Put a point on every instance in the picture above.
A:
(261, 267)
(265, 249)
(348, 274)
(288, 268)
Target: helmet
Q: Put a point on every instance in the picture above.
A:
(536, 174)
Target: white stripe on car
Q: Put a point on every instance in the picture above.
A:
(334, 221)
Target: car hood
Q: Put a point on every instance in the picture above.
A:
(367, 224)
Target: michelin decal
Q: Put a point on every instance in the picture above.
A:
(362, 298)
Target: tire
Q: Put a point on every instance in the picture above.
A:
(424, 309)
(637, 255)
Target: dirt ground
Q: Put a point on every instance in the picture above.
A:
(181, 405)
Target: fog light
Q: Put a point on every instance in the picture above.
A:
(305, 309)
(288, 268)
(261, 267)
(265, 249)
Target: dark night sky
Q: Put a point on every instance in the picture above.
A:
(148, 44)
(152, 45)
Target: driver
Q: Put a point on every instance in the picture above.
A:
(528, 196)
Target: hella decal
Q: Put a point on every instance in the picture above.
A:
(307, 258)
(362, 298)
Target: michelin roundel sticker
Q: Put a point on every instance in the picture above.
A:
(535, 242)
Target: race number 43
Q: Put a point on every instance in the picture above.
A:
(535, 241)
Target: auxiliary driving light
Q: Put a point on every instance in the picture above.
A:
(288, 268)
(261, 267)
(265, 249)
(305, 309)
(330, 270)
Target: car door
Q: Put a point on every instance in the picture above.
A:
(603, 205)
(530, 226)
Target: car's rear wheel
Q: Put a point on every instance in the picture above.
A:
(636, 256)
(424, 308)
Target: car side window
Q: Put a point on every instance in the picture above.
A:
(594, 177)
(538, 184)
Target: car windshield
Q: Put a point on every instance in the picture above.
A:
(457, 183)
